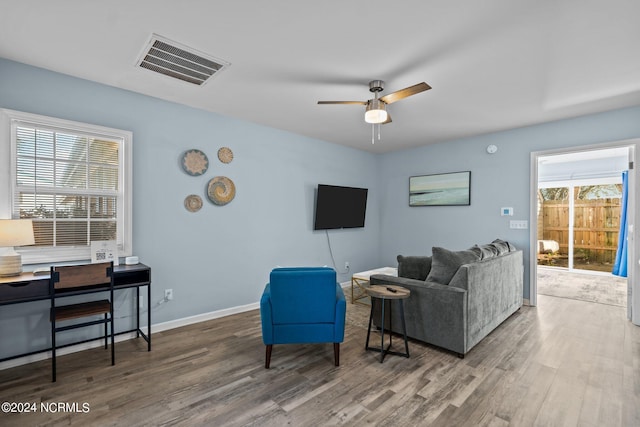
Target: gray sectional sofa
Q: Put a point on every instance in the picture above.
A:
(457, 298)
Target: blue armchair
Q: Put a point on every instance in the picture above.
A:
(302, 305)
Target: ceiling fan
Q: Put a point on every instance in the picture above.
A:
(376, 111)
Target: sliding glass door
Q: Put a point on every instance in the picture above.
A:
(596, 225)
(578, 224)
(553, 226)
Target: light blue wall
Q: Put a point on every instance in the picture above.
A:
(497, 180)
(219, 257)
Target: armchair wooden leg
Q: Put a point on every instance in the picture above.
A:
(336, 353)
(267, 360)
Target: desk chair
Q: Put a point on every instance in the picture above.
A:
(71, 280)
(302, 305)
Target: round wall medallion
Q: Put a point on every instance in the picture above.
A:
(225, 155)
(195, 162)
(193, 203)
(221, 190)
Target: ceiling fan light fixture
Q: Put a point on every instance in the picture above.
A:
(376, 112)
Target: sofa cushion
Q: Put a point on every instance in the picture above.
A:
(414, 267)
(503, 246)
(445, 263)
(485, 251)
(510, 245)
(476, 250)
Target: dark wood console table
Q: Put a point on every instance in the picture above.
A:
(28, 287)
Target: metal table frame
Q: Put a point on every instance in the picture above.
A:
(383, 300)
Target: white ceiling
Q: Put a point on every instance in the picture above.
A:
(493, 64)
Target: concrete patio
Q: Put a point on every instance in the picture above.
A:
(587, 286)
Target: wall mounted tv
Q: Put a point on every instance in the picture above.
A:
(340, 207)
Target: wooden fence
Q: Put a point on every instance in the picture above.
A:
(596, 228)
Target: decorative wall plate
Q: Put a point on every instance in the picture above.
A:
(221, 190)
(225, 155)
(193, 203)
(195, 162)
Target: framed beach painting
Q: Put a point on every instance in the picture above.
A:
(445, 189)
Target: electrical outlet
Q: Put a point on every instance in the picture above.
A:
(168, 294)
(346, 265)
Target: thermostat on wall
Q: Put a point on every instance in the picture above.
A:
(506, 211)
(131, 260)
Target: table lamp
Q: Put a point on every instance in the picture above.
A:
(13, 232)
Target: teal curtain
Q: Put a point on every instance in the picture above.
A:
(620, 265)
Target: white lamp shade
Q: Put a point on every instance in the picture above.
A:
(376, 112)
(16, 232)
(375, 116)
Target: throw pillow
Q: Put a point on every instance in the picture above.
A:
(414, 267)
(485, 251)
(503, 246)
(476, 250)
(512, 247)
(445, 263)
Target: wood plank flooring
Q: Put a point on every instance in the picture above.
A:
(563, 363)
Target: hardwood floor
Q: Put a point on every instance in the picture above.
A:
(563, 363)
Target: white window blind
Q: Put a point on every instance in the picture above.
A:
(71, 180)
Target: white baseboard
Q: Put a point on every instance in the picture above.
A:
(164, 326)
(98, 342)
(159, 327)
(526, 301)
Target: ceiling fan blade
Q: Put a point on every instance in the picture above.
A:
(343, 102)
(403, 93)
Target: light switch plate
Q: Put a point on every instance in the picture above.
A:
(519, 224)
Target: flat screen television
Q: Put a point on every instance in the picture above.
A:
(340, 207)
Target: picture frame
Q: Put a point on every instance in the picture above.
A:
(444, 189)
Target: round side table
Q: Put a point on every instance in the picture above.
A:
(384, 294)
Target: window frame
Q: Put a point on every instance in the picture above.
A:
(8, 153)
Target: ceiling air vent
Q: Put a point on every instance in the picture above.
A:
(179, 61)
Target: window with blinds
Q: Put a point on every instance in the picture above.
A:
(70, 179)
